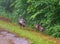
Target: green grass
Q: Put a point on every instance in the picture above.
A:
(35, 39)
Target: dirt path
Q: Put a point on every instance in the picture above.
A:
(9, 38)
(5, 19)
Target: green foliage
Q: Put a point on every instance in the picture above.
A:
(41, 11)
(47, 12)
(54, 31)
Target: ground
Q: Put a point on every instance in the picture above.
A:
(32, 36)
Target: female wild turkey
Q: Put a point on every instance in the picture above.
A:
(22, 22)
(36, 26)
(39, 27)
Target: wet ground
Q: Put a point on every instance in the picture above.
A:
(9, 38)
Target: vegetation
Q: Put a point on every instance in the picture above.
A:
(23, 33)
(41, 11)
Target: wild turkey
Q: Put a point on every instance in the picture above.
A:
(22, 22)
(36, 26)
(39, 27)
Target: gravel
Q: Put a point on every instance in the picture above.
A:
(9, 38)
